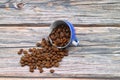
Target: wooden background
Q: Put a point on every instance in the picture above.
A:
(100, 12)
(97, 25)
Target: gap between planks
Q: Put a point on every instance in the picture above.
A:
(47, 25)
(44, 79)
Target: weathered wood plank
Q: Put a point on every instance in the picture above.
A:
(59, 79)
(97, 56)
(77, 11)
(45, 79)
(107, 37)
(48, 79)
(78, 65)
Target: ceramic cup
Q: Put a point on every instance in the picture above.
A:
(73, 39)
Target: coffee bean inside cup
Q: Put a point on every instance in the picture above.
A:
(60, 36)
(46, 55)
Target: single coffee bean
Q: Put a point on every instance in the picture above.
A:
(41, 70)
(30, 50)
(22, 62)
(22, 65)
(19, 53)
(21, 50)
(25, 52)
(38, 44)
(20, 5)
(56, 64)
(52, 71)
(31, 70)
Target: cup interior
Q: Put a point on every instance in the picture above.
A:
(54, 25)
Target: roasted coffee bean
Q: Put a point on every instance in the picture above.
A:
(66, 54)
(22, 62)
(35, 66)
(22, 58)
(29, 64)
(31, 67)
(22, 65)
(52, 71)
(31, 70)
(61, 34)
(20, 5)
(47, 65)
(26, 63)
(30, 50)
(41, 70)
(38, 44)
(52, 37)
(43, 44)
(59, 59)
(27, 55)
(56, 64)
(19, 52)
(25, 52)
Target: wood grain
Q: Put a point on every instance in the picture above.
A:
(88, 36)
(97, 56)
(78, 65)
(97, 25)
(99, 12)
(45, 79)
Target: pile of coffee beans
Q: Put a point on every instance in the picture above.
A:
(46, 55)
(60, 35)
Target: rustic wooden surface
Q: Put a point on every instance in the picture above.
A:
(97, 25)
(99, 12)
(97, 56)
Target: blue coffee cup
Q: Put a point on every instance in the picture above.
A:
(73, 39)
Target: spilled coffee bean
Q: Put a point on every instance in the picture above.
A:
(52, 71)
(48, 55)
